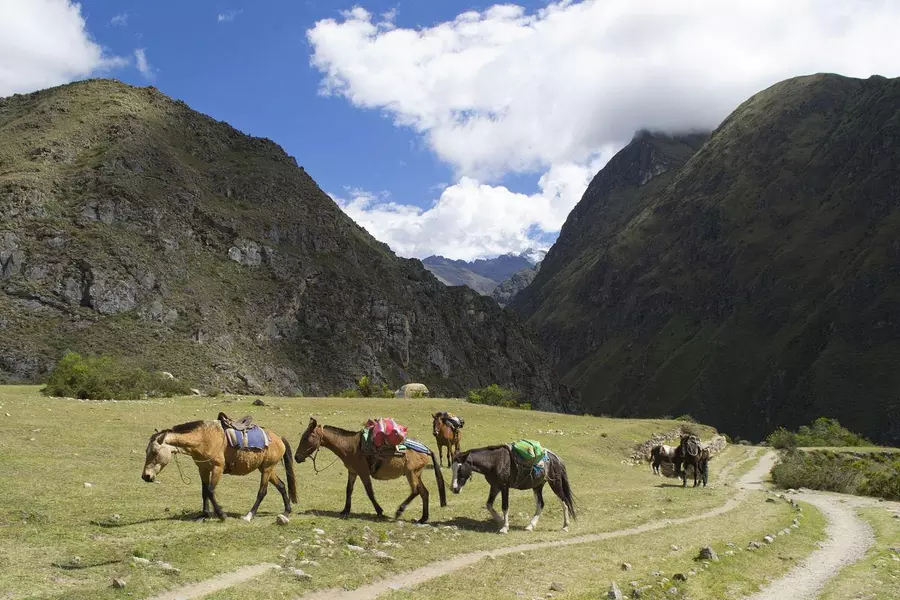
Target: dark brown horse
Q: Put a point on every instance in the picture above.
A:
(503, 470)
(446, 435)
(691, 452)
(206, 444)
(347, 445)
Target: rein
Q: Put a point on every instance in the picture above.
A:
(187, 480)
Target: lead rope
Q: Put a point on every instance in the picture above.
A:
(315, 468)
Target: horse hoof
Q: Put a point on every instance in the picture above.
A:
(200, 519)
(248, 517)
(529, 528)
(566, 529)
(504, 530)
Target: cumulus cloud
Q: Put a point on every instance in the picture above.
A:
(45, 43)
(228, 16)
(473, 220)
(143, 65)
(504, 90)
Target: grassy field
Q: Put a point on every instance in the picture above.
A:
(60, 538)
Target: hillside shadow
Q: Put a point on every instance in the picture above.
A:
(183, 517)
(468, 524)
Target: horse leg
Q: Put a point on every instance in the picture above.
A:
(204, 490)
(367, 483)
(351, 480)
(279, 485)
(696, 469)
(504, 497)
(556, 486)
(214, 477)
(414, 491)
(538, 506)
(263, 490)
(492, 495)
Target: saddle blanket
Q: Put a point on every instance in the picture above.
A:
(414, 445)
(254, 438)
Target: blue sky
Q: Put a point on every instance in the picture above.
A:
(463, 130)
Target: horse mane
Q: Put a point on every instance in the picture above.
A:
(462, 456)
(180, 428)
(334, 429)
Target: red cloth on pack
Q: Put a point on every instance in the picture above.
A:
(385, 429)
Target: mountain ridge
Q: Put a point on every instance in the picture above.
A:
(751, 284)
(136, 226)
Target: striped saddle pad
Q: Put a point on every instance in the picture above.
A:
(415, 446)
(254, 438)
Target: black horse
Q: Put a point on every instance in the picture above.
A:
(503, 470)
(691, 452)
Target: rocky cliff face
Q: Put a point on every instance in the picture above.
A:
(135, 226)
(508, 289)
(751, 281)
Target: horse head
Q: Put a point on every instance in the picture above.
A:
(158, 455)
(462, 469)
(309, 441)
(436, 423)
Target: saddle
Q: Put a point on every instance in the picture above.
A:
(243, 434)
(382, 439)
(530, 455)
(452, 420)
(244, 424)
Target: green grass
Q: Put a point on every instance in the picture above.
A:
(50, 447)
(587, 570)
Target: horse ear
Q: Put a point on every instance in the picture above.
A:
(155, 430)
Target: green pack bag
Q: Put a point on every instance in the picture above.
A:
(529, 450)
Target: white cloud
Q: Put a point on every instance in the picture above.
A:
(228, 16)
(143, 65)
(504, 90)
(119, 20)
(473, 220)
(45, 43)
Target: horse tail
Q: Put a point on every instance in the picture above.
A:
(442, 491)
(288, 459)
(568, 496)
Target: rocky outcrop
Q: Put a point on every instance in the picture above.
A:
(510, 288)
(138, 227)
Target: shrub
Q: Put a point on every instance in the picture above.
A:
(782, 439)
(106, 378)
(821, 432)
(686, 418)
(369, 389)
(494, 395)
(817, 471)
(349, 393)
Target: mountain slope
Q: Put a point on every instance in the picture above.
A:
(483, 274)
(757, 284)
(507, 289)
(136, 226)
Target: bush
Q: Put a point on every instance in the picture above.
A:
(369, 389)
(107, 378)
(820, 433)
(349, 393)
(686, 418)
(782, 439)
(494, 395)
(817, 471)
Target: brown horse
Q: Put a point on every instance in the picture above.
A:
(446, 436)
(206, 444)
(347, 445)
